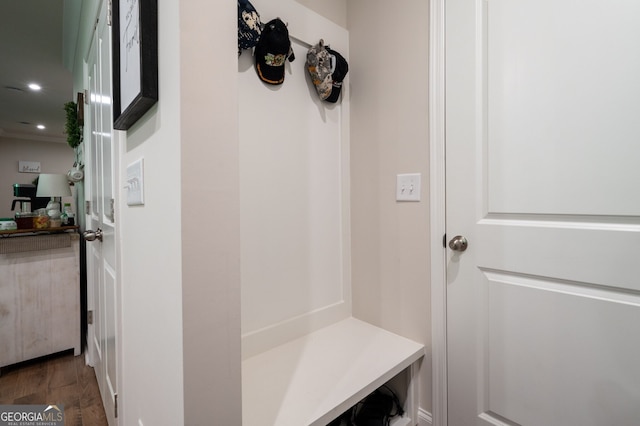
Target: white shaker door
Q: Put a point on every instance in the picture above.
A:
(542, 153)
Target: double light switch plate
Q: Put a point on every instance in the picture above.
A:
(408, 187)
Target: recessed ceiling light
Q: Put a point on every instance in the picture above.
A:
(41, 126)
(35, 87)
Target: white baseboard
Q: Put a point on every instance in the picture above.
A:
(424, 418)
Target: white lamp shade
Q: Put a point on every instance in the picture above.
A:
(51, 185)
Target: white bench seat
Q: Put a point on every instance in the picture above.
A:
(313, 379)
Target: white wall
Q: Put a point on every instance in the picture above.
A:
(389, 135)
(54, 157)
(151, 252)
(151, 283)
(180, 347)
(334, 10)
(210, 212)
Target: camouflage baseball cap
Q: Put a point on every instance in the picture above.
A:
(327, 69)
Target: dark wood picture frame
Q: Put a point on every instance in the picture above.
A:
(80, 109)
(135, 59)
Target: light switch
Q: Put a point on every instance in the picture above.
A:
(408, 187)
(135, 183)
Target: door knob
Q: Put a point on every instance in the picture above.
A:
(458, 243)
(90, 235)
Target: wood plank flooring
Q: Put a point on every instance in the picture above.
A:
(57, 379)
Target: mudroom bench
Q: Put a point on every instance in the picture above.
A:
(315, 378)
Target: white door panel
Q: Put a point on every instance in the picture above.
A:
(542, 131)
(595, 254)
(562, 97)
(97, 289)
(102, 269)
(553, 353)
(110, 315)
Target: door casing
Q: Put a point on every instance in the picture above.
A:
(438, 210)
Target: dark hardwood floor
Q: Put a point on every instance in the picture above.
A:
(58, 379)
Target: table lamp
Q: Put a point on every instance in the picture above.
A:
(56, 187)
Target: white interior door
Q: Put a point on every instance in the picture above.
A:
(101, 251)
(542, 148)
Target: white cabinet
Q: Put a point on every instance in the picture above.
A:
(39, 297)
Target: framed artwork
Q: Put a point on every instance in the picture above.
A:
(80, 109)
(134, 29)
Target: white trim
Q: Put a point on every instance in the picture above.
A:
(410, 404)
(438, 210)
(258, 341)
(424, 418)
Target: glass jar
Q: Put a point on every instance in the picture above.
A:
(25, 220)
(41, 220)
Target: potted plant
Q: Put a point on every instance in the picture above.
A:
(72, 126)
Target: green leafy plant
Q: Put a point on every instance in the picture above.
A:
(72, 127)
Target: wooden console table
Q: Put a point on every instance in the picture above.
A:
(39, 293)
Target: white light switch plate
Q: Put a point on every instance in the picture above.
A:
(408, 187)
(135, 183)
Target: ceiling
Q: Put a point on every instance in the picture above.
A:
(31, 37)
